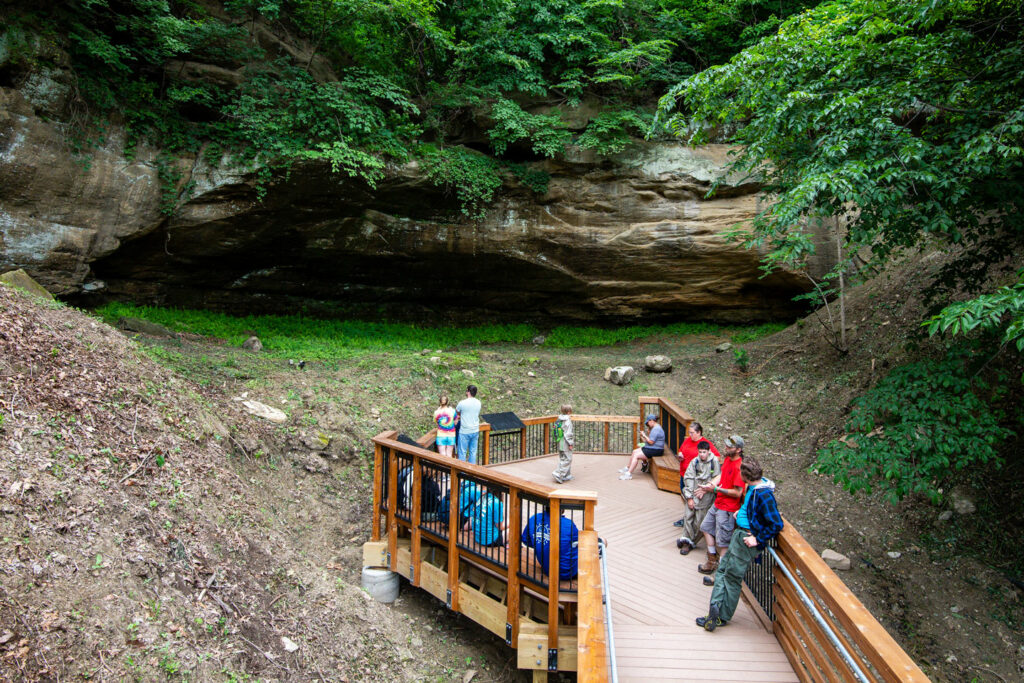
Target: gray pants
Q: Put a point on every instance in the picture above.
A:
(692, 519)
(564, 464)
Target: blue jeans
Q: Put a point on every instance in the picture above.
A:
(467, 446)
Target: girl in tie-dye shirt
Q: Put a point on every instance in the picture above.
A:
(444, 417)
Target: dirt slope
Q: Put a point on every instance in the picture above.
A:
(144, 540)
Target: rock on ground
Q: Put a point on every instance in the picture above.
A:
(658, 363)
(836, 561)
(621, 375)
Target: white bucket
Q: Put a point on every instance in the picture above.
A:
(381, 584)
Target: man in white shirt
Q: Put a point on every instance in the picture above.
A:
(468, 415)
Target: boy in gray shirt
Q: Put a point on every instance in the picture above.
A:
(701, 470)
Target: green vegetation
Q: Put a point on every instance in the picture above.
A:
(358, 84)
(924, 425)
(311, 338)
(894, 126)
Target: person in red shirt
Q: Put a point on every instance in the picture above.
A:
(687, 452)
(720, 521)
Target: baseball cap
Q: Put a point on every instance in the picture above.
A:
(651, 416)
(735, 441)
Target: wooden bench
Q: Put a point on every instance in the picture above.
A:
(665, 470)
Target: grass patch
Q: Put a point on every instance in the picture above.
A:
(317, 339)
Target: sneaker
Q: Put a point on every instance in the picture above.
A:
(623, 470)
(709, 581)
(625, 476)
(713, 621)
(568, 478)
(679, 522)
(559, 480)
(684, 547)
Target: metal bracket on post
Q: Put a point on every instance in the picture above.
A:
(412, 572)
(553, 660)
(508, 633)
(389, 560)
(448, 600)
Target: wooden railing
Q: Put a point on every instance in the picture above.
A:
(429, 544)
(811, 652)
(614, 434)
(413, 532)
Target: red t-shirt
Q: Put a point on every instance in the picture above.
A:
(688, 451)
(730, 480)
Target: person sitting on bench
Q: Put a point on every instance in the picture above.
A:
(537, 535)
(654, 445)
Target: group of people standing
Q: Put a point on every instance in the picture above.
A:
(727, 500)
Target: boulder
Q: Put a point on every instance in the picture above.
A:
(620, 375)
(264, 411)
(144, 327)
(254, 345)
(836, 561)
(19, 279)
(962, 504)
(723, 347)
(658, 364)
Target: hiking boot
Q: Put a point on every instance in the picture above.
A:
(710, 565)
(713, 621)
(709, 581)
(709, 624)
(684, 547)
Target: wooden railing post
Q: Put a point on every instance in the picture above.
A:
(454, 528)
(485, 433)
(607, 429)
(378, 490)
(417, 499)
(392, 508)
(555, 518)
(547, 438)
(515, 507)
(522, 443)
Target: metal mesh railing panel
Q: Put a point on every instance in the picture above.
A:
(434, 516)
(405, 480)
(760, 579)
(505, 446)
(483, 519)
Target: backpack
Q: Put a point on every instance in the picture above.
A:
(559, 432)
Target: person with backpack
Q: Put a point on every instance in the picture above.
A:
(565, 439)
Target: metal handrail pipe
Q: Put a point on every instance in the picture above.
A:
(804, 598)
(606, 597)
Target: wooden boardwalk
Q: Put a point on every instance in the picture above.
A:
(657, 593)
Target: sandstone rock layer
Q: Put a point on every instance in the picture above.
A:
(631, 238)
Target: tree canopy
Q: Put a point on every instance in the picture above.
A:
(905, 121)
(361, 82)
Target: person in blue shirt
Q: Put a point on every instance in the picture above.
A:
(468, 414)
(537, 535)
(653, 446)
(757, 522)
(487, 520)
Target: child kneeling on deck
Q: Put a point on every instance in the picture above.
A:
(700, 471)
(757, 522)
(565, 439)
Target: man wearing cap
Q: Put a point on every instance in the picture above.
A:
(720, 521)
(654, 445)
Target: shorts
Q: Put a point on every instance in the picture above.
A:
(720, 524)
(652, 452)
(445, 440)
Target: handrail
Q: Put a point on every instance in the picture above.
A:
(606, 594)
(833, 638)
(594, 646)
(878, 649)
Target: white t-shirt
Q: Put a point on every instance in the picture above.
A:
(469, 415)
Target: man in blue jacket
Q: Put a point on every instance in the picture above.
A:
(757, 522)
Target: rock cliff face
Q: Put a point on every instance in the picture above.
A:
(628, 238)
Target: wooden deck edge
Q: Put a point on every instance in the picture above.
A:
(592, 646)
